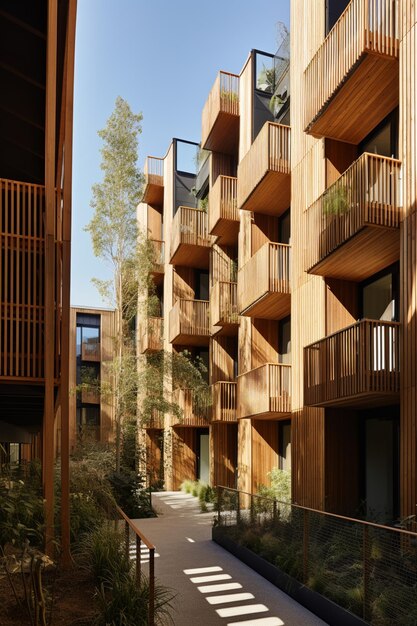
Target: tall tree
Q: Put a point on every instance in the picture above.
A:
(114, 234)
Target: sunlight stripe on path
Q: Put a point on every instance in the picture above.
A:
(263, 621)
(208, 579)
(203, 570)
(221, 587)
(190, 540)
(242, 610)
(231, 597)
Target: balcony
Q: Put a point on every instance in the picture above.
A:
(224, 402)
(91, 351)
(150, 339)
(264, 283)
(156, 421)
(265, 392)
(189, 323)
(220, 118)
(90, 396)
(159, 257)
(352, 82)
(354, 225)
(190, 241)
(264, 174)
(154, 181)
(357, 366)
(193, 415)
(223, 308)
(223, 212)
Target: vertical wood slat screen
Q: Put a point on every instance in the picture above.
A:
(193, 415)
(367, 194)
(189, 317)
(153, 170)
(363, 358)
(223, 303)
(224, 402)
(223, 98)
(190, 227)
(223, 201)
(364, 26)
(22, 307)
(265, 389)
(268, 271)
(270, 152)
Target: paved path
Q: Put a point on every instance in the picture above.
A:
(213, 587)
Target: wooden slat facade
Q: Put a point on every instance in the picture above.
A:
(150, 335)
(220, 117)
(189, 322)
(192, 415)
(153, 171)
(264, 283)
(224, 402)
(352, 80)
(264, 173)
(265, 392)
(223, 308)
(223, 214)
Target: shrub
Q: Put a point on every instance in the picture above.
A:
(21, 513)
(101, 552)
(130, 495)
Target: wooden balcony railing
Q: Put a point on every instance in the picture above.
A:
(220, 118)
(156, 421)
(90, 351)
(190, 241)
(159, 256)
(223, 304)
(224, 402)
(366, 28)
(223, 211)
(22, 271)
(263, 177)
(153, 171)
(151, 332)
(359, 364)
(264, 283)
(264, 391)
(189, 321)
(193, 415)
(90, 396)
(363, 203)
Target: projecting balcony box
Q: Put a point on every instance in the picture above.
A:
(156, 421)
(264, 283)
(224, 402)
(90, 396)
(190, 241)
(189, 322)
(220, 118)
(354, 225)
(352, 82)
(91, 351)
(264, 174)
(150, 338)
(357, 366)
(223, 212)
(158, 258)
(265, 392)
(223, 308)
(194, 415)
(154, 181)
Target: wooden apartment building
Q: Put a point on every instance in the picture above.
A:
(296, 280)
(36, 74)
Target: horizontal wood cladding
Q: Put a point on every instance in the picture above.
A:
(192, 414)
(22, 271)
(357, 220)
(224, 402)
(223, 308)
(220, 117)
(358, 366)
(223, 211)
(189, 322)
(190, 241)
(265, 392)
(352, 82)
(264, 283)
(151, 335)
(264, 174)
(153, 172)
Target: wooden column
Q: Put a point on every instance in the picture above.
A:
(50, 209)
(408, 258)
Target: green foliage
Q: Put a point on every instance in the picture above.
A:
(201, 490)
(203, 204)
(130, 494)
(335, 200)
(280, 488)
(21, 513)
(101, 553)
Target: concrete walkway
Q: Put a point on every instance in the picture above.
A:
(212, 586)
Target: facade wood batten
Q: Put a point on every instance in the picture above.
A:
(35, 231)
(310, 271)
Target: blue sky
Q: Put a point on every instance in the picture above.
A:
(162, 56)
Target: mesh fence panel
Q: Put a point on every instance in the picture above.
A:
(368, 569)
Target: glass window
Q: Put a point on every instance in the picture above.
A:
(379, 298)
(284, 338)
(187, 156)
(88, 416)
(284, 446)
(265, 72)
(202, 285)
